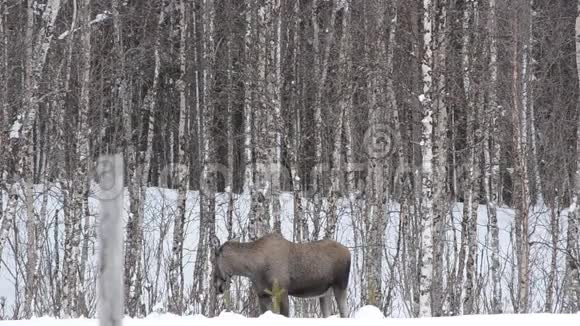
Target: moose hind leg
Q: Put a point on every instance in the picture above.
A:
(340, 297)
(325, 305)
(285, 306)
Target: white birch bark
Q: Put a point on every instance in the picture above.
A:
(207, 183)
(176, 270)
(295, 144)
(25, 170)
(83, 156)
(316, 175)
(440, 205)
(208, 191)
(572, 249)
(528, 100)
(230, 138)
(521, 193)
(426, 273)
(378, 152)
(555, 237)
(470, 203)
(260, 211)
(4, 66)
(275, 93)
(139, 171)
(492, 137)
(344, 107)
(321, 60)
(248, 97)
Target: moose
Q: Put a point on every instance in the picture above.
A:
(303, 270)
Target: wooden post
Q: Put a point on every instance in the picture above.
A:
(110, 282)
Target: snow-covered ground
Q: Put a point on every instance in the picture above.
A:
(364, 314)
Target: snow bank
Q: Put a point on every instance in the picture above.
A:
(364, 313)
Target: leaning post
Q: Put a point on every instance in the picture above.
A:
(110, 278)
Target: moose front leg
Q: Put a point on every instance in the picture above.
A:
(265, 303)
(325, 305)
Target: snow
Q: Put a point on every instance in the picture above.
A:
(366, 313)
(100, 17)
(15, 130)
(63, 35)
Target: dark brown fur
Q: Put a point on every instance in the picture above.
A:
(301, 269)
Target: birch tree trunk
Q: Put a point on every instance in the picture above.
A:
(295, 131)
(4, 66)
(321, 64)
(470, 203)
(440, 204)
(64, 82)
(378, 151)
(492, 151)
(344, 107)
(426, 273)
(229, 184)
(528, 84)
(140, 163)
(521, 193)
(555, 235)
(207, 183)
(275, 93)
(176, 269)
(122, 104)
(320, 81)
(261, 199)
(83, 155)
(25, 170)
(572, 247)
(249, 80)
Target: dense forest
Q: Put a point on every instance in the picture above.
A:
(444, 126)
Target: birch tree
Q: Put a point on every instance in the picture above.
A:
(521, 184)
(344, 108)
(572, 250)
(249, 38)
(492, 150)
(426, 273)
(469, 238)
(294, 144)
(377, 148)
(81, 185)
(321, 53)
(207, 183)
(176, 269)
(440, 205)
(140, 162)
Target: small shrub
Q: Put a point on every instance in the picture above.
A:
(276, 295)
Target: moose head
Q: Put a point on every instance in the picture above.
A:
(221, 275)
